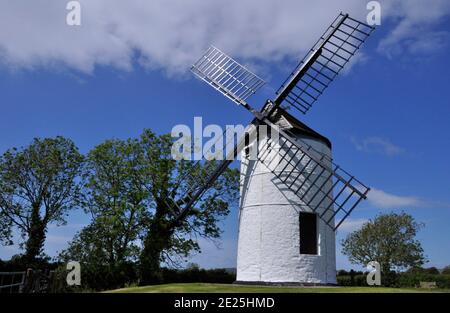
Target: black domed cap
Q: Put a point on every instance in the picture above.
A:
(287, 121)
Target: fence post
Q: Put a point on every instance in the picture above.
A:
(27, 286)
(22, 285)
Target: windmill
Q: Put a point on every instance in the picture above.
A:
(293, 196)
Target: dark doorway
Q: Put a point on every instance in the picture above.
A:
(308, 233)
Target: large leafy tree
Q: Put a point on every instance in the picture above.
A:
(116, 200)
(389, 239)
(38, 186)
(130, 190)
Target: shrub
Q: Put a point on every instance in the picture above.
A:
(351, 278)
(413, 279)
(196, 275)
(420, 270)
(408, 279)
(446, 270)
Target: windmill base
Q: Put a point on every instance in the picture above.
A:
(282, 284)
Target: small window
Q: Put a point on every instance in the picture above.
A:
(308, 233)
(248, 146)
(247, 152)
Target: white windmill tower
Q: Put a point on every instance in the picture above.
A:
(281, 238)
(293, 196)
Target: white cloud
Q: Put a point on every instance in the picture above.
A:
(384, 200)
(359, 58)
(415, 31)
(171, 34)
(377, 145)
(352, 224)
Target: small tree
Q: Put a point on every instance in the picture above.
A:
(446, 270)
(94, 248)
(388, 239)
(38, 186)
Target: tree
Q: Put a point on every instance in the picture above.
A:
(38, 187)
(101, 268)
(168, 232)
(115, 196)
(129, 189)
(446, 270)
(420, 270)
(431, 271)
(116, 201)
(388, 239)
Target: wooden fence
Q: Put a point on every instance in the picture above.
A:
(12, 282)
(31, 281)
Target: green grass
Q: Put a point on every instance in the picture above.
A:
(224, 288)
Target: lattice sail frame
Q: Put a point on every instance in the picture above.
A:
(323, 63)
(227, 76)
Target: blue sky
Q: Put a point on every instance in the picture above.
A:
(388, 116)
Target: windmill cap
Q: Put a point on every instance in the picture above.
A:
(286, 120)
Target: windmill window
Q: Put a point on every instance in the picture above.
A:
(247, 145)
(247, 152)
(308, 233)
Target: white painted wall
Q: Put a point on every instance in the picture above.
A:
(269, 243)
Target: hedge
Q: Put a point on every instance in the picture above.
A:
(403, 280)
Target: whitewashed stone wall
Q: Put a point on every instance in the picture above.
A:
(269, 243)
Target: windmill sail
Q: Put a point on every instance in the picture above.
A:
(226, 75)
(323, 63)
